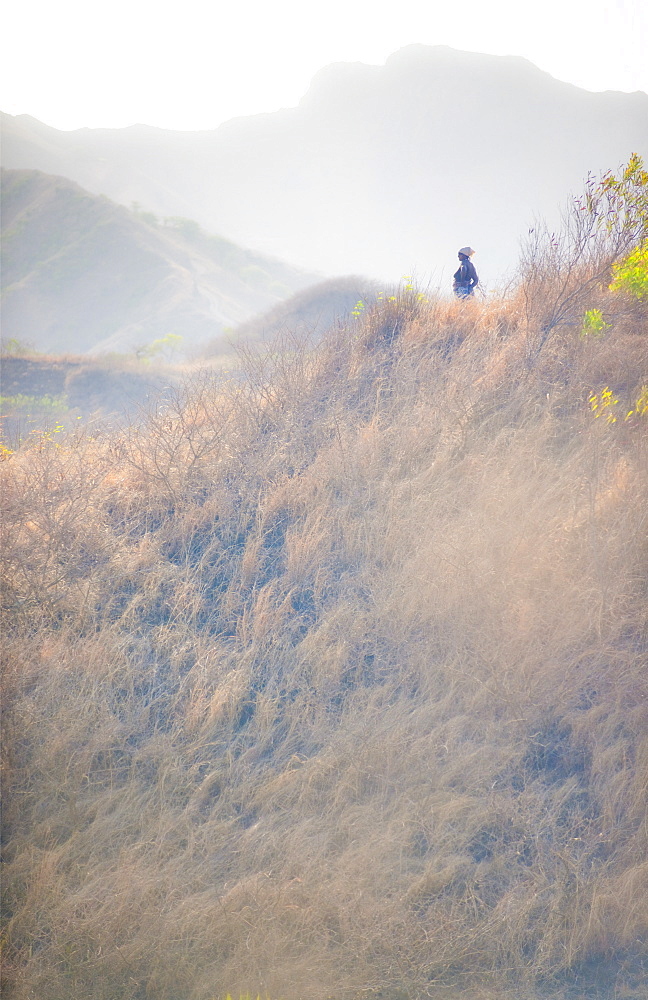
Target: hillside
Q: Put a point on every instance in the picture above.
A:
(42, 394)
(84, 275)
(329, 682)
(380, 170)
(306, 315)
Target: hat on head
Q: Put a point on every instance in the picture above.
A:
(468, 251)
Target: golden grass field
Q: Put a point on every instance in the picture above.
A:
(330, 681)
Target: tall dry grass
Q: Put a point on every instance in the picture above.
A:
(330, 682)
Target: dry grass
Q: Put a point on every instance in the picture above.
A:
(331, 682)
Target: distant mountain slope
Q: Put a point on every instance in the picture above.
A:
(380, 170)
(82, 274)
(308, 314)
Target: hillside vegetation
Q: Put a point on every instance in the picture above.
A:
(330, 682)
(81, 274)
(41, 392)
(306, 315)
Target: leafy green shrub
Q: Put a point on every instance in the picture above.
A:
(593, 324)
(631, 273)
(15, 348)
(601, 228)
(34, 404)
(603, 405)
(640, 408)
(163, 347)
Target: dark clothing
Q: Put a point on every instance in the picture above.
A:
(465, 278)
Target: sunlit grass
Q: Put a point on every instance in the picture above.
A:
(329, 680)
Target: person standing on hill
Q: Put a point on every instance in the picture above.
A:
(465, 278)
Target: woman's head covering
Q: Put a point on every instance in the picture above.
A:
(468, 251)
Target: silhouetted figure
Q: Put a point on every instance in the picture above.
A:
(465, 278)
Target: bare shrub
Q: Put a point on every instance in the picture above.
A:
(561, 269)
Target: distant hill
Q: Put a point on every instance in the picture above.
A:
(307, 314)
(380, 170)
(84, 275)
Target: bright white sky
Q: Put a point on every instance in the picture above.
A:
(197, 63)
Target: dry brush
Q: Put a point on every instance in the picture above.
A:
(330, 681)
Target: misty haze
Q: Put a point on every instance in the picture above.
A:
(380, 170)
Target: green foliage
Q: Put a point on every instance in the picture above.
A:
(612, 213)
(255, 276)
(164, 347)
(593, 324)
(15, 348)
(605, 403)
(403, 295)
(624, 198)
(27, 404)
(29, 419)
(188, 227)
(602, 227)
(244, 996)
(48, 435)
(602, 405)
(631, 273)
(149, 217)
(640, 408)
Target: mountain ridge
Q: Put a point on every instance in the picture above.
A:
(82, 273)
(379, 170)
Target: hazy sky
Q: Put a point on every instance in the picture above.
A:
(195, 64)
